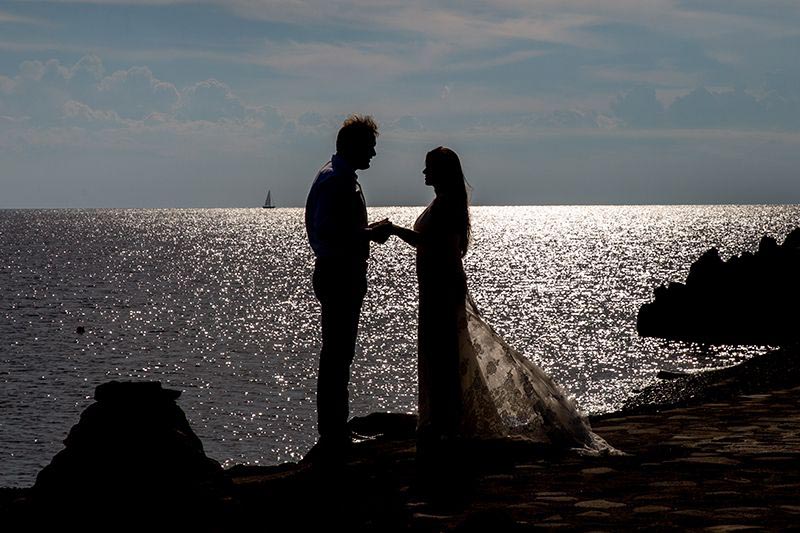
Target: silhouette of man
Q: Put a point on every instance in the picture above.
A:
(336, 223)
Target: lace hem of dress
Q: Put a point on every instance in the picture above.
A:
(506, 395)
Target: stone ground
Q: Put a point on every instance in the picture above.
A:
(724, 466)
(724, 460)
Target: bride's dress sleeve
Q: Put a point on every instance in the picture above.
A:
(504, 394)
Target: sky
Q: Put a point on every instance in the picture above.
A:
(182, 103)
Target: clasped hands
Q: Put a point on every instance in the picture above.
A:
(381, 231)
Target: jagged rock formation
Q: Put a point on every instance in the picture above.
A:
(748, 299)
(131, 451)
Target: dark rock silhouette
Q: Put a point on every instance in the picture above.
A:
(748, 299)
(775, 370)
(131, 452)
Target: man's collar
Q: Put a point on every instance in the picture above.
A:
(342, 166)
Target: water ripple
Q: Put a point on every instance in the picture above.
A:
(218, 303)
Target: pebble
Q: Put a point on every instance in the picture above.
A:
(599, 504)
(598, 470)
(707, 460)
(673, 484)
(730, 527)
(557, 499)
(651, 509)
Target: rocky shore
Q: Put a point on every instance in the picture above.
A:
(716, 452)
(748, 299)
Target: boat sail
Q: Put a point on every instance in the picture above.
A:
(268, 202)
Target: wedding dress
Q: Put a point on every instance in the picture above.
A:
(472, 384)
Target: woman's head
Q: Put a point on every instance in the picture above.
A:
(443, 172)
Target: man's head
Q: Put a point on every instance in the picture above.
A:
(356, 140)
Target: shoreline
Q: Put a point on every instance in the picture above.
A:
(723, 455)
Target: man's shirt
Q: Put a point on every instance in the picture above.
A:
(336, 213)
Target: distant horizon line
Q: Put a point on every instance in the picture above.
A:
(680, 204)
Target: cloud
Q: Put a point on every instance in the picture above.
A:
(49, 92)
(10, 18)
(210, 100)
(777, 108)
(271, 119)
(41, 90)
(135, 93)
(662, 76)
(406, 123)
(639, 108)
(341, 60)
(47, 104)
(571, 118)
(79, 114)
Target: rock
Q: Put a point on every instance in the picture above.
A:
(131, 450)
(767, 246)
(792, 240)
(743, 300)
(705, 268)
(773, 370)
(389, 425)
(669, 374)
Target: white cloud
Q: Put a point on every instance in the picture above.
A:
(135, 93)
(210, 100)
(41, 90)
(49, 104)
(79, 114)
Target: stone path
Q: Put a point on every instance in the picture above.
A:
(728, 466)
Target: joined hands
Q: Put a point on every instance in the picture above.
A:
(381, 231)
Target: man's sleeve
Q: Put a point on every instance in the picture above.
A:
(334, 221)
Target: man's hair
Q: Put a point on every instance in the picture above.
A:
(355, 129)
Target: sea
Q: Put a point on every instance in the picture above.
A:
(218, 304)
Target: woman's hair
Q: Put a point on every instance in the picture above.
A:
(452, 191)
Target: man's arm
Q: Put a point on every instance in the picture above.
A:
(379, 231)
(333, 218)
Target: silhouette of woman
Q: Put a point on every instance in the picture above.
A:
(471, 383)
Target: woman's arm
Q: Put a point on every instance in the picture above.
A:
(406, 234)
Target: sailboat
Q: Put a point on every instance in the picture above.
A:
(268, 202)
